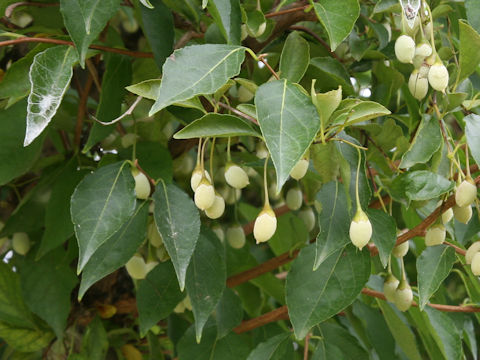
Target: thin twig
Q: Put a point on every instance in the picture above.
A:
(125, 114)
(82, 109)
(238, 112)
(288, 11)
(262, 59)
(138, 54)
(305, 347)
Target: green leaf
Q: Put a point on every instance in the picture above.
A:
(25, 340)
(289, 124)
(178, 222)
(334, 222)
(154, 159)
(433, 266)
(425, 185)
(352, 111)
(231, 347)
(275, 348)
(118, 74)
(95, 15)
(100, 205)
(424, 329)
(469, 57)
(472, 133)
(157, 296)
(472, 8)
(214, 64)
(159, 30)
(147, 3)
(325, 160)
(332, 73)
(228, 17)
(400, 331)
(445, 334)
(295, 58)
(327, 103)
(291, 232)
(50, 74)
(426, 142)
(95, 341)
(206, 276)
(314, 296)
(338, 18)
(384, 233)
(228, 313)
(58, 223)
(216, 125)
(14, 158)
(117, 250)
(46, 286)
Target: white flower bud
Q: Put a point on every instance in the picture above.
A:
(403, 296)
(261, 150)
(447, 216)
(435, 235)
(235, 176)
(471, 251)
(300, 169)
(360, 229)
(149, 266)
(462, 214)
(423, 49)
(154, 237)
(217, 208)
(438, 77)
(308, 217)
(417, 85)
(218, 230)
(294, 198)
(389, 287)
(466, 193)
(265, 225)
(204, 195)
(197, 177)
(21, 243)
(401, 250)
(236, 236)
(476, 264)
(405, 49)
(142, 185)
(136, 267)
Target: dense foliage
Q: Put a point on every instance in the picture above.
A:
(239, 179)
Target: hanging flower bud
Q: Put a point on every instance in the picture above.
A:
(294, 198)
(154, 237)
(462, 214)
(360, 229)
(197, 177)
(403, 296)
(300, 169)
(21, 243)
(265, 225)
(217, 208)
(308, 217)
(466, 192)
(435, 235)
(236, 236)
(261, 150)
(438, 76)
(401, 250)
(142, 185)
(204, 195)
(471, 251)
(447, 216)
(389, 287)
(136, 267)
(476, 264)
(418, 85)
(405, 49)
(423, 49)
(235, 176)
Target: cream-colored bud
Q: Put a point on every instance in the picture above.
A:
(423, 49)
(360, 229)
(438, 76)
(308, 217)
(462, 214)
(149, 266)
(217, 208)
(204, 195)
(417, 85)
(218, 230)
(154, 237)
(476, 264)
(300, 169)
(401, 250)
(403, 296)
(136, 267)
(447, 216)
(265, 225)
(435, 235)
(466, 193)
(21, 243)
(235, 176)
(261, 150)
(389, 287)
(197, 177)
(236, 236)
(471, 251)
(294, 198)
(405, 49)
(142, 185)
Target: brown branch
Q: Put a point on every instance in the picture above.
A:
(82, 109)
(284, 12)
(138, 54)
(265, 62)
(238, 112)
(189, 35)
(318, 38)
